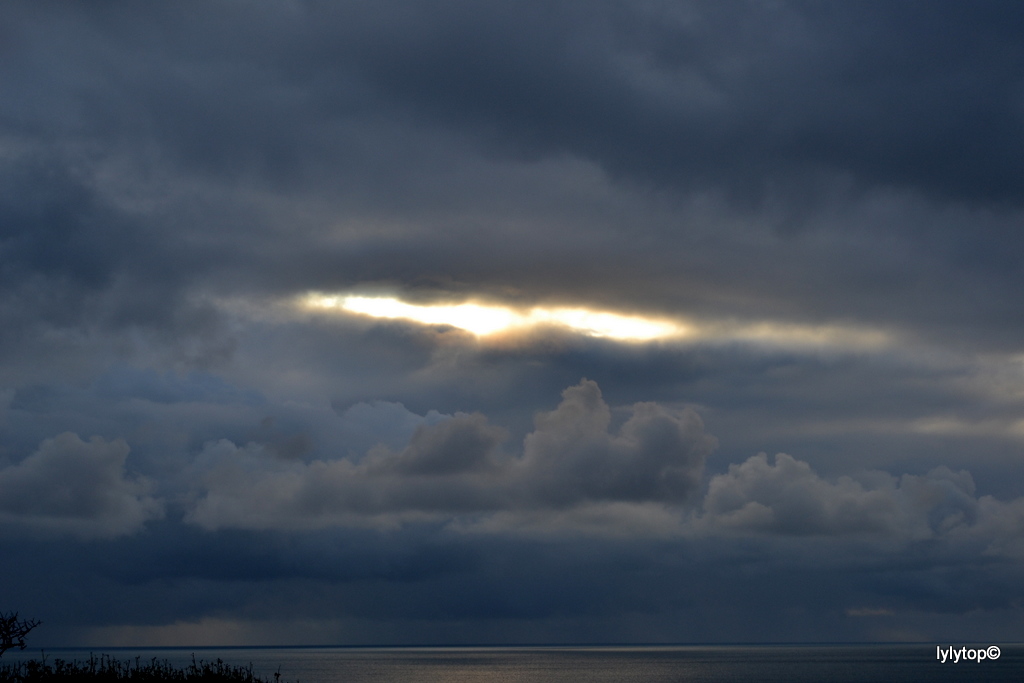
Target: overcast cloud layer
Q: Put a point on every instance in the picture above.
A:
(829, 193)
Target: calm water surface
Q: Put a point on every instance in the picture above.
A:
(655, 664)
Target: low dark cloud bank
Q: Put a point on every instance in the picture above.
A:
(829, 192)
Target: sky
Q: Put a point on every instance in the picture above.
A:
(461, 322)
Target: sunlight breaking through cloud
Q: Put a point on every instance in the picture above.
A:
(484, 320)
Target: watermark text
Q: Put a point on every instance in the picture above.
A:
(968, 654)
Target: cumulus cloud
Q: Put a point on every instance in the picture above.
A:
(445, 468)
(457, 467)
(788, 498)
(78, 488)
(658, 454)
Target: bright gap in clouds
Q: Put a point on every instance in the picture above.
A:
(485, 319)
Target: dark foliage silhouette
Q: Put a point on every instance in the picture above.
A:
(13, 631)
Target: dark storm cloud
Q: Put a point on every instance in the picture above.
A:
(180, 444)
(410, 586)
(81, 277)
(459, 149)
(917, 95)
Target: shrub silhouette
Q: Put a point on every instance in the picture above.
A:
(104, 669)
(14, 630)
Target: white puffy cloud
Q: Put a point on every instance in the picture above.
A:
(456, 467)
(70, 486)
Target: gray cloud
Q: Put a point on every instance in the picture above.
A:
(456, 467)
(788, 498)
(77, 488)
(172, 174)
(736, 94)
(658, 455)
(807, 164)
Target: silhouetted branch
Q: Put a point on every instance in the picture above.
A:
(14, 630)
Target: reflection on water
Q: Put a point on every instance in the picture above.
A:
(654, 664)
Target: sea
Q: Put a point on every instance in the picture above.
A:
(896, 663)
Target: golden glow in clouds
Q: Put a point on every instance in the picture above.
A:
(483, 320)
